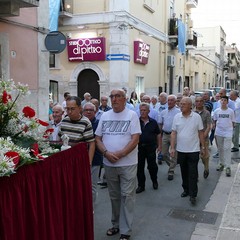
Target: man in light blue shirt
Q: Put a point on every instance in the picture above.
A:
(165, 121)
(153, 113)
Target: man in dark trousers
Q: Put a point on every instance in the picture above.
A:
(149, 141)
(186, 138)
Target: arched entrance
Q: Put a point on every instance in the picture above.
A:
(87, 81)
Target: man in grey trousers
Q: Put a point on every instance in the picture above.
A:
(117, 137)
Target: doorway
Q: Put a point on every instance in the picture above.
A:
(88, 82)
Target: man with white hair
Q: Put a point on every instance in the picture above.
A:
(57, 114)
(163, 101)
(153, 113)
(87, 98)
(117, 137)
(166, 120)
(186, 138)
(154, 102)
(89, 111)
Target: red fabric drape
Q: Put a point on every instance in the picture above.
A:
(49, 200)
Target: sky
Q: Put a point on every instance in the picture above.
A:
(226, 13)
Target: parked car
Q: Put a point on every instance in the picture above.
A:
(228, 90)
(198, 93)
(216, 89)
(211, 92)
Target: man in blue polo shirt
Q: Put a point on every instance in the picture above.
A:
(149, 141)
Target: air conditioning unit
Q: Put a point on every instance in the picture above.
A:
(171, 61)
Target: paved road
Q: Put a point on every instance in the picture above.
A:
(162, 214)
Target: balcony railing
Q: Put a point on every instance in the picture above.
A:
(27, 3)
(66, 8)
(192, 41)
(9, 8)
(173, 29)
(191, 3)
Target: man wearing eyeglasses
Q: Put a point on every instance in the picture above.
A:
(77, 127)
(89, 111)
(117, 137)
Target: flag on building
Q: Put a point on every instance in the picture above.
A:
(54, 8)
(181, 37)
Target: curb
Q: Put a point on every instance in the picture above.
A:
(223, 201)
(230, 225)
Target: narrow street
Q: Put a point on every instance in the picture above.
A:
(162, 214)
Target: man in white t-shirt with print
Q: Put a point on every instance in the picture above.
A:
(224, 119)
(117, 137)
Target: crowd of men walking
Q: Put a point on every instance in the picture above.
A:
(128, 133)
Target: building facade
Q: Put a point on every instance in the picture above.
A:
(23, 27)
(232, 67)
(134, 38)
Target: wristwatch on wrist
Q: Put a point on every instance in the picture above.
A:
(104, 152)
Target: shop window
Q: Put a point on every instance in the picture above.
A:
(139, 85)
(53, 91)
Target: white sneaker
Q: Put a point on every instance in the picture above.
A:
(216, 155)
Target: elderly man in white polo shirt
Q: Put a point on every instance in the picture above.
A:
(186, 136)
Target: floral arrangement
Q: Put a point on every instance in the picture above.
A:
(23, 137)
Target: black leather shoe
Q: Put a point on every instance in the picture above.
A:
(159, 162)
(170, 177)
(140, 189)
(184, 194)
(205, 173)
(234, 150)
(193, 200)
(155, 185)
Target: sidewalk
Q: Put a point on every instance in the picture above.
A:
(224, 201)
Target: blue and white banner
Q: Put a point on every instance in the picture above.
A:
(181, 37)
(54, 8)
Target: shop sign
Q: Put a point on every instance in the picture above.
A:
(141, 52)
(86, 49)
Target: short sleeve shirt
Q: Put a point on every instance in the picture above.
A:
(77, 131)
(224, 124)
(187, 129)
(116, 130)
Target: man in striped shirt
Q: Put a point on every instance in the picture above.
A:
(76, 126)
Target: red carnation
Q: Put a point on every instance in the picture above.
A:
(45, 124)
(28, 112)
(35, 151)
(14, 155)
(48, 132)
(6, 97)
